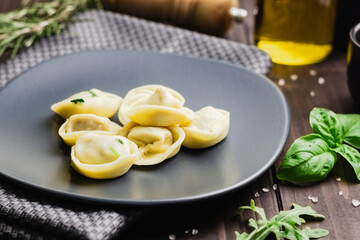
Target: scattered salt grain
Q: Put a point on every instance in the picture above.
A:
(338, 179)
(172, 237)
(187, 231)
(294, 77)
(265, 190)
(255, 11)
(194, 231)
(313, 72)
(321, 80)
(312, 94)
(313, 199)
(341, 193)
(257, 194)
(275, 187)
(355, 202)
(281, 82)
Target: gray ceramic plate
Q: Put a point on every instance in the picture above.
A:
(33, 154)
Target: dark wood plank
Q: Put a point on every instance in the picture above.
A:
(8, 5)
(213, 219)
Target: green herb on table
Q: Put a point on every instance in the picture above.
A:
(312, 157)
(92, 93)
(282, 226)
(77, 100)
(21, 28)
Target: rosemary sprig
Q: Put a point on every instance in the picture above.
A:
(21, 28)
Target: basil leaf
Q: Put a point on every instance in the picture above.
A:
(352, 156)
(327, 124)
(308, 159)
(351, 128)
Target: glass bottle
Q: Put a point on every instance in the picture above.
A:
(295, 32)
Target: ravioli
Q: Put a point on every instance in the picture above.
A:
(102, 156)
(94, 101)
(81, 124)
(210, 126)
(155, 144)
(156, 124)
(154, 105)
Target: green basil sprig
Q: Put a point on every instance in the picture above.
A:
(311, 157)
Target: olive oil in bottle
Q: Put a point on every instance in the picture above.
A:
(295, 32)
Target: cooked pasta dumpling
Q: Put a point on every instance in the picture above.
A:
(102, 156)
(210, 126)
(93, 101)
(155, 144)
(154, 105)
(81, 124)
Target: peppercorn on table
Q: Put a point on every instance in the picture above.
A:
(333, 202)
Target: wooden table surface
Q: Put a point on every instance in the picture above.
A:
(218, 218)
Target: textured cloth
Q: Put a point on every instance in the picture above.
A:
(25, 215)
(31, 215)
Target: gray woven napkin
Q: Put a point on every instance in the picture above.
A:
(31, 215)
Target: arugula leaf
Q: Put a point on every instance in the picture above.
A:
(241, 236)
(315, 233)
(254, 208)
(306, 234)
(293, 216)
(283, 225)
(352, 156)
(327, 124)
(308, 159)
(351, 128)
